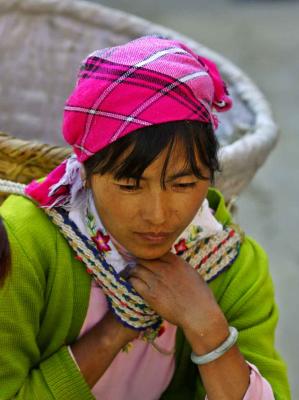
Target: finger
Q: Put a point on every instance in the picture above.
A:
(172, 260)
(139, 285)
(142, 273)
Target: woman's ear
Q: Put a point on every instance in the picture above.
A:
(83, 177)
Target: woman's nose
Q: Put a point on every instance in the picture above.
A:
(155, 209)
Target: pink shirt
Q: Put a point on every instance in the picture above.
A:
(144, 373)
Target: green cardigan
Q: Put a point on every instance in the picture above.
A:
(44, 301)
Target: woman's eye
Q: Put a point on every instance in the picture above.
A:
(184, 185)
(129, 188)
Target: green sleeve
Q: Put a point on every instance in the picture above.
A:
(246, 296)
(25, 374)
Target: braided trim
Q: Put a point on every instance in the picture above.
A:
(11, 187)
(210, 256)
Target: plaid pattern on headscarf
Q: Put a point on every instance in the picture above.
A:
(145, 82)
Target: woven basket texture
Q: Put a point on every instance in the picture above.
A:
(23, 160)
(45, 41)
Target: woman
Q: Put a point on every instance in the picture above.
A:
(170, 284)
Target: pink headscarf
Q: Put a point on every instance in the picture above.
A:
(145, 82)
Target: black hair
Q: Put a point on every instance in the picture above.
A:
(144, 145)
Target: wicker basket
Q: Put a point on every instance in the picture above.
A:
(44, 43)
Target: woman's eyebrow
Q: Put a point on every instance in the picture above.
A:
(179, 174)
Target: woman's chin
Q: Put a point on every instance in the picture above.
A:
(151, 253)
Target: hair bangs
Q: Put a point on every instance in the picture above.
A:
(129, 156)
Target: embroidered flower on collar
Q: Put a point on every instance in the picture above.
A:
(99, 238)
(180, 247)
(101, 241)
(187, 242)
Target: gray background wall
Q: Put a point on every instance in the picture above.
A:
(261, 37)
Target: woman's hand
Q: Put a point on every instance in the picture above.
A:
(180, 296)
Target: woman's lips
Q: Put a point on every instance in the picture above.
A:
(154, 237)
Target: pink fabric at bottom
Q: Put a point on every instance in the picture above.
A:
(143, 372)
(259, 388)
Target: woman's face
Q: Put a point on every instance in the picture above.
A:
(147, 220)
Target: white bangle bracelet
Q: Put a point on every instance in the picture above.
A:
(223, 348)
